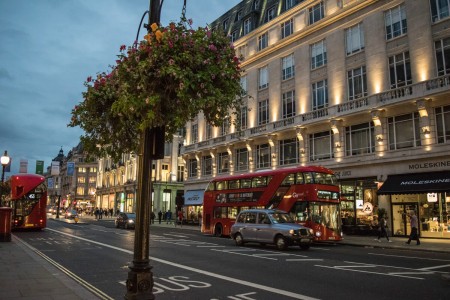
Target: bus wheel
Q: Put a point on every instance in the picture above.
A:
(218, 230)
(280, 242)
(304, 247)
(239, 240)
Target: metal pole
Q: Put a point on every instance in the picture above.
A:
(140, 276)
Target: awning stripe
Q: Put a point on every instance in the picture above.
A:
(416, 183)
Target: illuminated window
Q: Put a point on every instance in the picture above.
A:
(320, 145)
(262, 156)
(244, 85)
(194, 133)
(243, 118)
(193, 165)
(206, 165)
(241, 159)
(442, 48)
(263, 78)
(223, 162)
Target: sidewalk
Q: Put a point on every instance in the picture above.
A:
(27, 275)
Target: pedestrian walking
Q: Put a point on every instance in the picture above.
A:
(414, 228)
(152, 217)
(180, 217)
(160, 216)
(382, 229)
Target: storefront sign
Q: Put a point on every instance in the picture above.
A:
(367, 208)
(194, 197)
(432, 197)
(430, 165)
(238, 197)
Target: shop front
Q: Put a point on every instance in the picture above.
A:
(428, 194)
(193, 206)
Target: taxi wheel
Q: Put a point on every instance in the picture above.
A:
(239, 240)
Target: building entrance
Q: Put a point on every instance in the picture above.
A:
(400, 221)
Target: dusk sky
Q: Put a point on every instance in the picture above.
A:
(47, 50)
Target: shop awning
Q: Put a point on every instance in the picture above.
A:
(416, 183)
(194, 197)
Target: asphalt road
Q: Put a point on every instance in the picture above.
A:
(189, 265)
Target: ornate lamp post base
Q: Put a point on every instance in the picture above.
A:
(140, 282)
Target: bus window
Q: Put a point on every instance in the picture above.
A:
(299, 178)
(232, 212)
(299, 211)
(233, 184)
(289, 180)
(259, 181)
(221, 185)
(210, 186)
(319, 178)
(308, 177)
(246, 183)
(220, 212)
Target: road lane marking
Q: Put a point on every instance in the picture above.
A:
(404, 256)
(435, 267)
(368, 272)
(203, 272)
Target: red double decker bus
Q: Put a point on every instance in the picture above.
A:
(310, 194)
(28, 201)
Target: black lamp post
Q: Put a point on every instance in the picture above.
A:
(140, 276)
(5, 159)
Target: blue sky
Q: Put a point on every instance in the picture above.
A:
(47, 50)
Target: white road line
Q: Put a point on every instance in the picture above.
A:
(361, 271)
(304, 259)
(415, 257)
(435, 267)
(243, 254)
(203, 272)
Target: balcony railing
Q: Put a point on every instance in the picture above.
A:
(419, 90)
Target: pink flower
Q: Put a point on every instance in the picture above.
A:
(212, 47)
(123, 47)
(171, 62)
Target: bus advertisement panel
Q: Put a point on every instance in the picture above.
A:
(28, 201)
(309, 194)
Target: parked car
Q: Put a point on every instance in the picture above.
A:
(71, 214)
(125, 220)
(268, 226)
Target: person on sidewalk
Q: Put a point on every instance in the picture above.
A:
(382, 226)
(160, 216)
(414, 228)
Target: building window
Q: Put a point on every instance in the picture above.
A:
(400, 70)
(443, 124)
(206, 165)
(81, 179)
(287, 28)
(442, 48)
(223, 162)
(288, 100)
(238, 15)
(316, 13)
(225, 24)
(244, 85)
(263, 41)
(263, 78)
(357, 83)
(288, 68)
(270, 14)
(194, 133)
(193, 165)
(262, 156)
(354, 39)
(247, 25)
(288, 151)
(241, 159)
(225, 128)
(180, 174)
(320, 146)
(263, 112)
(234, 36)
(359, 139)
(243, 118)
(288, 4)
(319, 95)
(440, 9)
(318, 55)
(208, 130)
(255, 4)
(404, 131)
(395, 22)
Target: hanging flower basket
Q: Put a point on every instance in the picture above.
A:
(165, 80)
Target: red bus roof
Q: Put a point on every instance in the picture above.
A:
(21, 184)
(275, 172)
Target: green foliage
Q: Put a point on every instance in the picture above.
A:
(166, 80)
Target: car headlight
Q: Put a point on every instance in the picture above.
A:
(293, 232)
(311, 231)
(318, 234)
(130, 221)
